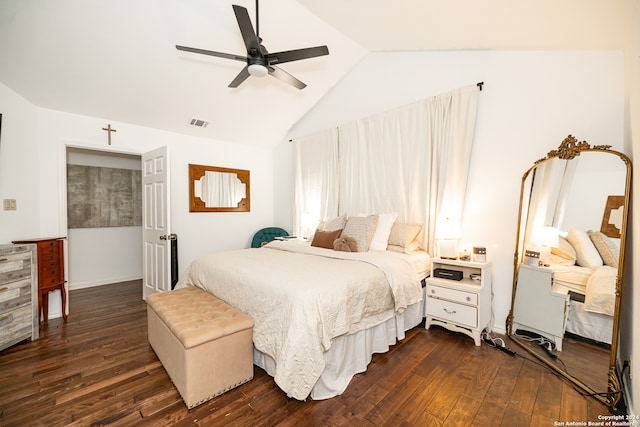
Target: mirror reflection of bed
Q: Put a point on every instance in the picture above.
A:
(565, 301)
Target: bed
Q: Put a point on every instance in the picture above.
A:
(585, 267)
(319, 313)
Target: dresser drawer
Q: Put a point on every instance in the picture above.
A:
(15, 266)
(452, 294)
(16, 325)
(15, 294)
(48, 254)
(452, 312)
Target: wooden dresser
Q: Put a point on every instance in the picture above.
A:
(18, 290)
(50, 272)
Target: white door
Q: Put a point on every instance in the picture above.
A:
(156, 225)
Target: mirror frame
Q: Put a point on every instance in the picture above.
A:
(196, 204)
(569, 149)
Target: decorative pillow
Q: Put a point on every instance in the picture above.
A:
(324, 239)
(558, 260)
(383, 230)
(336, 223)
(564, 250)
(606, 247)
(409, 249)
(403, 234)
(361, 228)
(333, 224)
(586, 253)
(345, 244)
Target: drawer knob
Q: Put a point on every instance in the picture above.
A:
(433, 291)
(468, 298)
(449, 311)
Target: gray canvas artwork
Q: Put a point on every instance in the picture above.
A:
(103, 197)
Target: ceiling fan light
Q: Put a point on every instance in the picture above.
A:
(258, 70)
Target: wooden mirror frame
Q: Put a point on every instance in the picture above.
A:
(569, 149)
(196, 204)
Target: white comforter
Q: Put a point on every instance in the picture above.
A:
(300, 297)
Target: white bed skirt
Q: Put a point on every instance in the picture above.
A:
(595, 326)
(351, 354)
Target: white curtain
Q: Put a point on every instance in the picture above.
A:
(549, 189)
(412, 160)
(222, 189)
(316, 177)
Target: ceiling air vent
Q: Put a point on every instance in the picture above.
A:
(199, 123)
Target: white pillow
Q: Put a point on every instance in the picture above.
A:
(586, 253)
(383, 230)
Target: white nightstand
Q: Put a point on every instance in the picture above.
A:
(538, 307)
(459, 305)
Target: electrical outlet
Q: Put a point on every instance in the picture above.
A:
(9, 204)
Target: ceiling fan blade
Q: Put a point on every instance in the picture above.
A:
(212, 53)
(242, 76)
(297, 54)
(246, 28)
(280, 74)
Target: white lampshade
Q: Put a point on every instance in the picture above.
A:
(448, 233)
(546, 236)
(448, 229)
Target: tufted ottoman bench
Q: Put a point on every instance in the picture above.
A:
(204, 344)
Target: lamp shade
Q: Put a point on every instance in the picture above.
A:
(546, 236)
(448, 229)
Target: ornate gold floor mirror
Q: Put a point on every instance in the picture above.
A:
(569, 264)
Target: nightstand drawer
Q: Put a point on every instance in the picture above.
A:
(451, 311)
(452, 295)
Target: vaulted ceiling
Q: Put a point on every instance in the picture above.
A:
(117, 60)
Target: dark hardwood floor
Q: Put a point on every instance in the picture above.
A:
(98, 369)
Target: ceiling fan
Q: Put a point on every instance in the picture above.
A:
(259, 61)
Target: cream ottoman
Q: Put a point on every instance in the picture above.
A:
(204, 344)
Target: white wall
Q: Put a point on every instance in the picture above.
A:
(18, 166)
(630, 347)
(530, 102)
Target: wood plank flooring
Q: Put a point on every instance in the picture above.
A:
(98, 369)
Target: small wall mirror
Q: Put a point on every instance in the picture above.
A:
(215, 189)
(569, 264)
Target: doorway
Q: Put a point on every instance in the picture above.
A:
(101, 249)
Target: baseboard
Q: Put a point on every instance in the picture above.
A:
(83, 285)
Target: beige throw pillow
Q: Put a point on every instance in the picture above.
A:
(361, 229)
(564, 250)
(606, 247)
(403, 235)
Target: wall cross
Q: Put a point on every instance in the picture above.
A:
(109, 130)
